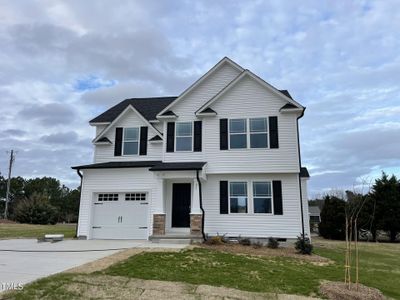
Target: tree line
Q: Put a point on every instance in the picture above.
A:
(39, 201)
(380, 210)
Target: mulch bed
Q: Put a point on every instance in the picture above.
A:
(265, 251)
(340, 291)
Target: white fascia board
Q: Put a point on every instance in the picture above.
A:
(98, 123)
(199, 81)
(129, 107)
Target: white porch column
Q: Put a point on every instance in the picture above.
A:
(159, 205)
(195, 206)
(159, 209)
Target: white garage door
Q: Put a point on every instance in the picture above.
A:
(120, 216)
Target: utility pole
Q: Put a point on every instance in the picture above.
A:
(12, 157)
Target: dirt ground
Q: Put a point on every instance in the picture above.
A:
(265, 251)
(115, 287)
(340, 291)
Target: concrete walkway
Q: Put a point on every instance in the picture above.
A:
(25, 260)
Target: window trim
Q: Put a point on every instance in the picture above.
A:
(123, 141)
(229, 197)
(253, 197)
(176, 136)
(247, 133)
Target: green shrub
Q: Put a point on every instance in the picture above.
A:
(333, 219)
(35, 210)
(272, 243)
(303, 245)
(244, 241)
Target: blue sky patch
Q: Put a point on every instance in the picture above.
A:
(92, 82)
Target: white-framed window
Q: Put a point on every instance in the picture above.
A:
(135, 197)
(237, 133)
(183, 136)
(262, 197)
(107, 197)
(248, 133)
(258, 133)
(238, 197)
(131, 141)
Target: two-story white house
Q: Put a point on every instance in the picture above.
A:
(221, 158)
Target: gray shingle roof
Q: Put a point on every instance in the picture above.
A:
(148, 107)
(155, 165)
(178, 166)
(304, 172)
(119, 164)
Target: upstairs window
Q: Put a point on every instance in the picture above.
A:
(131, 141)
(183, 136)
(258, 133)
(262, 197)
(238, 197)
(237, 133)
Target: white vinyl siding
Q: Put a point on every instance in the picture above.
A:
(260, 103)
(105, 153)
(116, 181)
(252, 224)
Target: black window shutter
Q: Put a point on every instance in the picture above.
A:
(118, 141)
(223, 197)
(273, 132)
(277, 190)
(170, 136)
(143, 140)
(223, 134)
(197, 136)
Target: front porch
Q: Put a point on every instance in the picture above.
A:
(177, 215)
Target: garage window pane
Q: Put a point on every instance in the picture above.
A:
(107, 197)
(135, 197)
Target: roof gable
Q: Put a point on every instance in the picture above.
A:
(222, 62)
(120, 116)
(283, 94)
(147, 107)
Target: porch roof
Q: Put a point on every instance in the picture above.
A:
(119, 164)
(178, 166)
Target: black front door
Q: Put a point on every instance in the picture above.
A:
(181, 205)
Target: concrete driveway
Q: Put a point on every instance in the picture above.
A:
(25, 260)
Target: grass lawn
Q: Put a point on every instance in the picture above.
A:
(380, 268)
(8, 231)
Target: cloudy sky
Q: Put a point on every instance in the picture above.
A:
(62, 63)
